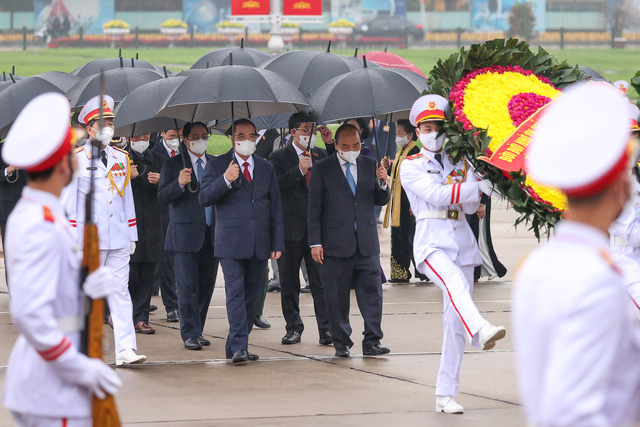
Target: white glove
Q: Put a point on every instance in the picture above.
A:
(93, 374)
(100, 284)
(487, 187)
(132, 248)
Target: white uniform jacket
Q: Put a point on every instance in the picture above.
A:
(576, 339)
(113, 207)
(44, 284)
(432, 187)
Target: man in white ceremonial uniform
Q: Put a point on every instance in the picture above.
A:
(576, 336)
(48, 381)
(440, 193)
(114, 212)
(625, 231)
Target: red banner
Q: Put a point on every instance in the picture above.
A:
(510, 156)
(302, 7)
(250, 7)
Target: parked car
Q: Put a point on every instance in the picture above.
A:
(389, 26)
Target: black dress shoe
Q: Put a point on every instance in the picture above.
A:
(152, 308)
(375, 350)
(203, 341)
(326, 338)
(252, 357)
(292, 337)
(305, 290)
(240, 356)
(173, 316)
(192, 344)
(342, 352)
(261, 322)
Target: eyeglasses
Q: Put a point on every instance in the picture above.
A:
(307, 129)
(250, 137)
(198, 137)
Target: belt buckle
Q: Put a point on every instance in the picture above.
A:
(452, 214)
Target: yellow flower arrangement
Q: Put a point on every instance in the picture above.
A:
(290, 25)
(228, 24)
(342, 23)
(116, 23)
(173, 23)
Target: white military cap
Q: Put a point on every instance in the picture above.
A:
(581, 144)
(429, 108)
(622, 85)
(35, 144)
(91, 109)
(634, 115)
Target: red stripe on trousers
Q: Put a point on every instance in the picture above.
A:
(634, 302)
(458, 194)
(64, 422)
(450, 299)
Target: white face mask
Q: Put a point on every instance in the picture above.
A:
(199, 146)
(246, 147)
(401, 141)
(174, 144)
(349, 156)
(307, 141)
(104, 135)
(139, 146)
(431, 141)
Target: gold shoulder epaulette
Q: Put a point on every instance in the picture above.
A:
(414, 156)
(78, 149)
(120, 150)
(48, 215)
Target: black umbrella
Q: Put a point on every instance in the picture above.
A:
(231, 91)
(6, 84)
(104, 64)
(14, 98)
(119, 82)
(355, 62)
(64, 81)
(10, 77)
(135, 115)
(591, 74)
(368, 92)
(185, 73)
(308, 69)
(241, 56)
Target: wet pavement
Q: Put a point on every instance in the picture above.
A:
(304, 384)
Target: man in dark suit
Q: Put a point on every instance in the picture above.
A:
(190, 233)
(243, 188)
(149, 246)
(293, 165)
(166, 147)
(343, 192)
(12, 181)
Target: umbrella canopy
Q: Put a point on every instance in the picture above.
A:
(14, 98)
(276, 121)
(355, 62)
(119, 82)
(308, 69)
(135, 115)
(5, 84)
(241, 56)
(592, 74)
(64, 81)
(380, 92)
(391, 60)
(232, 91)
(7, 77)
(104, 64)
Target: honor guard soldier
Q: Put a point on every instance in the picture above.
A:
(440, 193)
(115, 215)
(576, 342)
(48, 381)
(622, 86)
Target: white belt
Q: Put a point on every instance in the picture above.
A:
(70, 324)
(618, 241)
(452, 214)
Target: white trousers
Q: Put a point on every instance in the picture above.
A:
(120, 305)
(629, 262)
(460, 317)
(23, 420)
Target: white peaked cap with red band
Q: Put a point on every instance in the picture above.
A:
(622, 85)
(40, 137)
(634, 116)
(91, 109)
(581, 144)
(429, 108)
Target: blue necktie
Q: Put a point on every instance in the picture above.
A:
(352, 184)
(208, 211)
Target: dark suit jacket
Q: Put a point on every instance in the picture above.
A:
(145, 198)
(293, 187)
(187, 223)
(248, 218)
(333, 208)
(10, 189)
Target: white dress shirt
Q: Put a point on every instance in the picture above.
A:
(354, 168)
(194, 165)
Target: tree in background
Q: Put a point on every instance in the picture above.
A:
(624, 16)
(522, 21)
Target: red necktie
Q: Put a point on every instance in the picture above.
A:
(173, 153)
(307, 174)
(246, 171)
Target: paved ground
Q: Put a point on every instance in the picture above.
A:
(304, 384)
